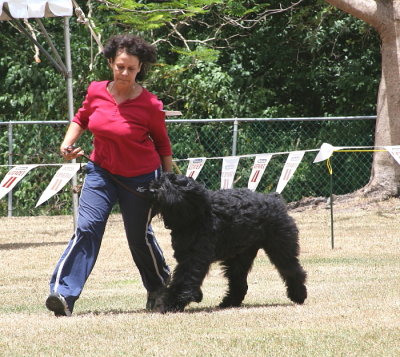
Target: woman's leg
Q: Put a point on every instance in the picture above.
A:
(143, 245)
(76, 263)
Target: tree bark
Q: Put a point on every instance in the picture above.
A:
(384, 16)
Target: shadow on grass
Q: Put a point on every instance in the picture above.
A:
(243, 307)
(14, 246)
(188, 311)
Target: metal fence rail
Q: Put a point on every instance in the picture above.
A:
(37, 142)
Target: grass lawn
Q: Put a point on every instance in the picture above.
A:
(353, 307)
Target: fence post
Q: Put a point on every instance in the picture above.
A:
(234, 138)
(10, 162)
(67, 42)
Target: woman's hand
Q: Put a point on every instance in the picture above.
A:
(71, 152)
(67, 150)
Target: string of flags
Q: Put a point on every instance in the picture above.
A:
(229, 167)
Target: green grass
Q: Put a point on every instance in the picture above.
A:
(353, 307)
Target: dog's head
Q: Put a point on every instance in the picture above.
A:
(180, 200)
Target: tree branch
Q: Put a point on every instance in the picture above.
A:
(366, 10)
(36, 48)
(175, 29)
(260, 17)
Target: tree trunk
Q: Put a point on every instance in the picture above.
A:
(383, 15)
(385, 171)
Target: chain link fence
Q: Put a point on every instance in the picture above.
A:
(38, 143)
(254, 136)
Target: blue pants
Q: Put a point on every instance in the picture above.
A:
(99, 194)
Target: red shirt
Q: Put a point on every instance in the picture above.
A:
(129, 137)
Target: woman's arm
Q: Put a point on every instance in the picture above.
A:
(74, 132)
(166, 163)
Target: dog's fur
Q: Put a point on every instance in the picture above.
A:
(228, 226)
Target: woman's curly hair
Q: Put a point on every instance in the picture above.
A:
(132, 45)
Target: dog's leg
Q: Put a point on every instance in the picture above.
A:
(289, 268)
(236, 270)
(294, 277)
(185, 286)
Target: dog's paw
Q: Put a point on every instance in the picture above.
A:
(227, 302)
(161, 306)
(170, 308)
(298, 294)
(198, 296)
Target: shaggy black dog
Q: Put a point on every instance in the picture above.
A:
(228, 226)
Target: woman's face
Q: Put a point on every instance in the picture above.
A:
(125, 68)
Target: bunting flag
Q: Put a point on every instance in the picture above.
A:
(325, 152)
(195, 166)
(229, 166)
(13, 177)
(59, 180)
(259, 166)
(394, 151)
(290, 167)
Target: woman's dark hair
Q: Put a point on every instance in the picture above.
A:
(132, 45)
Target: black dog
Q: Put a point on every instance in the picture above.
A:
(229, 226)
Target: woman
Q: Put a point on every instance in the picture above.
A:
(130, 145)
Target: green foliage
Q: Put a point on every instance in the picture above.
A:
(199, 54)
(147, 15)
(204, 88)
(311, 61)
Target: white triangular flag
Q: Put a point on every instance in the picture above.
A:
(13, 177)
(260, 163)
(59, 180)
(394, 151)
(229, 166)
(325, 152)
(292, 162)
(195, 166)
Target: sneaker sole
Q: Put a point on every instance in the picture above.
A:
(53, 303)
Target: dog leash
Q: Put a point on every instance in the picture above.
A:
(110, 175)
